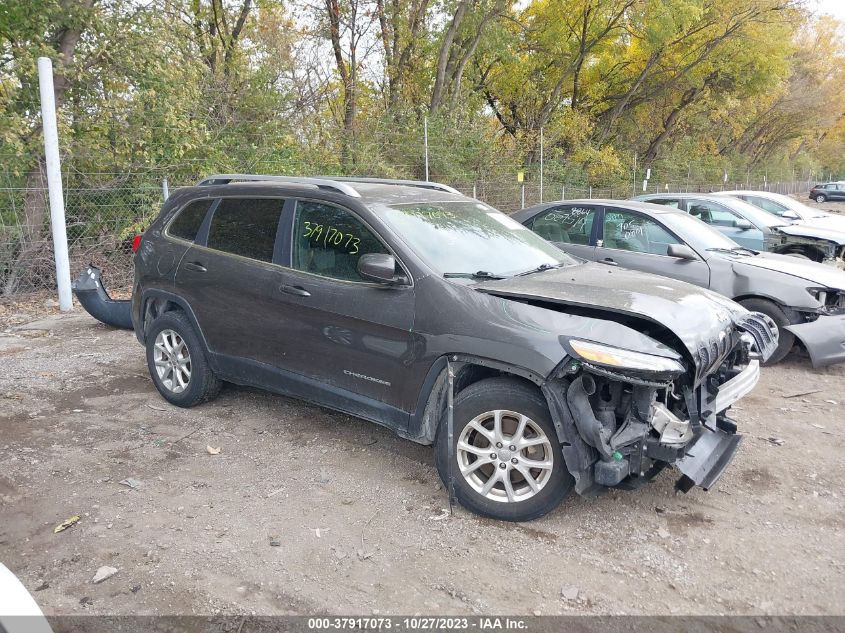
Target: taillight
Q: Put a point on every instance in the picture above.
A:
(136, 242)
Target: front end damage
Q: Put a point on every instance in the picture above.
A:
(823, 330)
(622, 427)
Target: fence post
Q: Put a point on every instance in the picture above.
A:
(165, 190)
(541, 165)
(563, 192)
(54, 181)
(523, 196)
(425, 133)
(473, 192)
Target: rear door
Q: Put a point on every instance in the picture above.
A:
(231, 282)
(640, 242)
(572, 228)
(727, 222)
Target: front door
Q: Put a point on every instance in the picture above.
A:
(639, 242)
(569, 227)
(345, 332)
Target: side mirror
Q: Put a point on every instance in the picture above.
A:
(379, 267)
(791, 215)
(743, 225)
(681, 251)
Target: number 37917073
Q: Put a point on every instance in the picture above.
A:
(331, 237)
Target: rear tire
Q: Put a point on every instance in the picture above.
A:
(821, 198)
(786, 339)
(177, 362)
(522, 417)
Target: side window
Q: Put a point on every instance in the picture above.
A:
(710, 213)
(329, 241)
(666, 202)
(637, 233)
(767, 205)
(189, 220)
(246, 227)
(571, 225)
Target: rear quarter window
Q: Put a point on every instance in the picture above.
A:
(189, 220)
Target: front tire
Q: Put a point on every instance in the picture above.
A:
(508, 463)
(177, 362)
(786, 339)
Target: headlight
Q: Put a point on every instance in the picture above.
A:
(623, 358)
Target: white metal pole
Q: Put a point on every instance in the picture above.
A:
(473, 192)
(165, 190)
(563, 192)
(425, 132)
(523, 196)
(541, 165)
(54, 182)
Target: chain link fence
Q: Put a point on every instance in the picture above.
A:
(103, 217)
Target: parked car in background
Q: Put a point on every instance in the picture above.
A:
(804, 298)
(754, 228)
(383, 299)
(828, 191)
(785, 207)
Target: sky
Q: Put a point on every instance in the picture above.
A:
(833, 7)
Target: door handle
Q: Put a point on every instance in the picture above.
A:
(196, 267)
(297, 291)
(609, 261)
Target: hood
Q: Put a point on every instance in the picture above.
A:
(828, 228)
(696, 316)
(816, 274)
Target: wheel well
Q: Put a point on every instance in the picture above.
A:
(155, 307)
(472, 374)
(800, 249)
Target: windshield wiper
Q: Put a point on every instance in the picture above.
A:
(539, 269)
(481, 274)
(735, 249)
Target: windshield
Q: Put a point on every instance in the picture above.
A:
(696, 233)
(469, 236)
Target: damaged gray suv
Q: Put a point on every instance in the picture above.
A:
(532, 372)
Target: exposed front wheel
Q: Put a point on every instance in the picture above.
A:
(821, 198)
(177, 362)
(507, 460)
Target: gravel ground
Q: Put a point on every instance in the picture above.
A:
(305, 511)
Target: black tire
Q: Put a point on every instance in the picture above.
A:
(511, 395)
(821, 198)
(799, 256)
(786, 339)
(202, 385)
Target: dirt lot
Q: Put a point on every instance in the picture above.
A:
(309, 511)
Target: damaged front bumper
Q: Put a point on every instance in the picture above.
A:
(622, 433)
(823, 338)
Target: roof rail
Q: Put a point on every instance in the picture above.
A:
(422, 184)
(320, 183)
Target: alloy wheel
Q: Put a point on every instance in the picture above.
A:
(172, 361)
(505, 456)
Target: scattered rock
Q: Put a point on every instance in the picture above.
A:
(212, 451)
(85, 601)
(42, 586)
(569, 593)
(104, 573)
(663, 533)
(132, 483)
(275, 543)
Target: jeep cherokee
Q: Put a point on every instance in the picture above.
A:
(532, 372)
